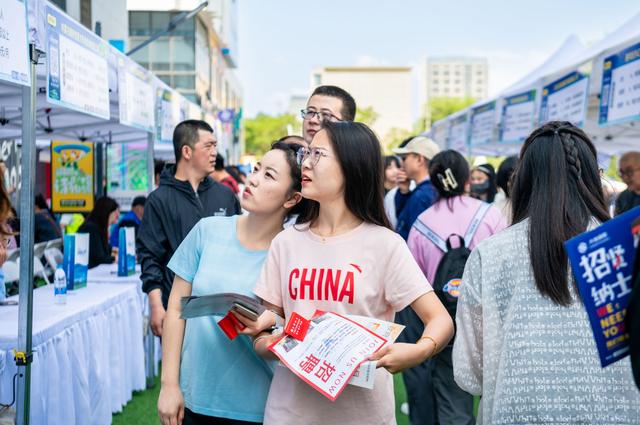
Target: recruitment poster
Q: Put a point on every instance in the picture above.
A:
(77, 69)
(518, 113)
(136, 97)
(483, 121)
(620, 94)
(14, 50)
(71, 176)
(565, 99)
(602, 262)
(458, 134)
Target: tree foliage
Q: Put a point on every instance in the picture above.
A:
(442, 107)
(260, 132)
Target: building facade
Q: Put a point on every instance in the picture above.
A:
(458, 77)
(387, 90)
(198, 58)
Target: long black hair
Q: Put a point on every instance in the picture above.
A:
(556, 185)
(505, 171)
(100, 215)
(449, 173)
(290, 152)
(360, 157)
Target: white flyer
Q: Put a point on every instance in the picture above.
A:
(330, 353)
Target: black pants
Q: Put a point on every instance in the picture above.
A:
(455, 406)
(418, 380)
(192, 418)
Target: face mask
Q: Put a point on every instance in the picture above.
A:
(480, 187)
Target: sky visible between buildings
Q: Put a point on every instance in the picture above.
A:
(283, 41)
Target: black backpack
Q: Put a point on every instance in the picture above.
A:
(448, 279)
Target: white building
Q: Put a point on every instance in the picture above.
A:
(459, 77)
(388, 90)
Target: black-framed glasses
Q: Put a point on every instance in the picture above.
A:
(308, 114)
(313, 153)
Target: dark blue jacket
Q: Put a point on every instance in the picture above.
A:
(410, 205)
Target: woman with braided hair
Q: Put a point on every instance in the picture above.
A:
(523, 338)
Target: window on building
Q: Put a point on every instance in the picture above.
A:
(183, 53)
(159, 55)
(139, 23)
(187, 81)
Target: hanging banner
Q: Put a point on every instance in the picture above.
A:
(71, 176)
(483, 121)
(620, 94)
(77, 74)
(565, 100)
(169, 114)
(135, 95)
(14, 47)
(518, 114)
(439, 134)
(602, 262)
(127, 173)
(458, 134)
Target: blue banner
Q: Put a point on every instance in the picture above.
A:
(77, 66)
(517, 117)
(565, 99)
(602, 263)
(620, 92)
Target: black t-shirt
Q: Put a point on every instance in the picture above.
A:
(626, 201)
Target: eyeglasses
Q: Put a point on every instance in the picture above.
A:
(628, 172)
(307, 114)
(314, 154)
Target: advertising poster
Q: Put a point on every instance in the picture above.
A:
(458, 134)
(135, 95)
(169, 114)
(127, 173)
(483, 121)
(71, 176)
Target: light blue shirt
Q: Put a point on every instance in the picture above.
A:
(219, 377)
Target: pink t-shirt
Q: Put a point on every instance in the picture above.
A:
(444, 222)
(368, 271)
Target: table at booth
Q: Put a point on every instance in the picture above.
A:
(88, 354)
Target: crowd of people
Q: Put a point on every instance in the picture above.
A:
(330, 200)
(471, 261)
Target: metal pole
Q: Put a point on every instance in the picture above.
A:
(149, 337)
(27, 193)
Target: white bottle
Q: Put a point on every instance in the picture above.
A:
(60, 286)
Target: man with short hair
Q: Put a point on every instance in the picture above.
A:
(629, 171)
(415, 166)
(185, 195)
(327, 103)
(131, 219)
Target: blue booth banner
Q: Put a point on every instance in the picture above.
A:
(483, 122)
(77, 66)
(602, 263)
(620, 93)
(518, 117)
(565, 99)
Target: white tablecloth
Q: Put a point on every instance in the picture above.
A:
(88, 354)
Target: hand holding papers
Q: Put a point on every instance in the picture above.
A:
(332, 351)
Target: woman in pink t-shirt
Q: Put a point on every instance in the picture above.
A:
(342, 257)
(454, 213)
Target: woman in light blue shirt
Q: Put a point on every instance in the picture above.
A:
(206, 378)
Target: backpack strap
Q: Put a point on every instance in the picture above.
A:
(475, 223)
(431, 235)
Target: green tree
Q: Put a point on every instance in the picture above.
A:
(367, 115)
(442, 107)
(260, 132)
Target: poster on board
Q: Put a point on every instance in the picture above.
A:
(518, 115)
(620, 93)
(14, 48)
(565, 99)
(135, 95)
(71, 176)
(483, 121)
(127, 172)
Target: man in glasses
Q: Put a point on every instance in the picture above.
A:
(629, 171)
(327, 103)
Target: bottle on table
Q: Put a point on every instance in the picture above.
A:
(60, 285)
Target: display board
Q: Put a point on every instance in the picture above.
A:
(518, 117)
(483, 121)
(14, 44)
(565, 99)
(71, 176)
(135, 95)
(620, 93)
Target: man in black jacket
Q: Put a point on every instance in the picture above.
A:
(185, 195)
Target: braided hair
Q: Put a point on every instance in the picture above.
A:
(557, 187)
